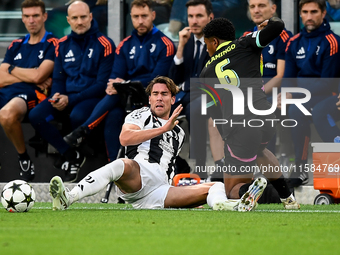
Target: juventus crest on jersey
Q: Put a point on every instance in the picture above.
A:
(162, 149)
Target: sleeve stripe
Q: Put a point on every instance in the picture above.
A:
(258, 44)
(169, 46)
(106, 43)
(292, 39)
(333, 44)
(57, 48)
(120, 45)
(63, 38)
(97, 121)
(31, 104)
(245, 33)
(109, 44)
(284, 36)
(14, 41)
(54, 41)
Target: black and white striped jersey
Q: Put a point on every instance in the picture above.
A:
(162, 149)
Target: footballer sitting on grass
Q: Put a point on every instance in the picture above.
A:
(153, 140)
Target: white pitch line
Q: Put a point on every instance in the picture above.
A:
(299, 211)
(130, 209)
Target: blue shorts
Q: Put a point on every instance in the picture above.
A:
(29, 93)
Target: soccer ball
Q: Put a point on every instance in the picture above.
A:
(18, 196)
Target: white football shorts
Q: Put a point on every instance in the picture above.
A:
(154, 189)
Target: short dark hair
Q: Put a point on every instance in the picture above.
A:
(142, 3)
(172, 87)
(33, 3)
(270, 1)
(220, 28)
(321, 3)
(206, 3)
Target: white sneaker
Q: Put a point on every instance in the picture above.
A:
(60, 196)
(249, 199)
(290, 203)
(228, 205)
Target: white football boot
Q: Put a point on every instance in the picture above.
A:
(228, 205)
(60, 196)
(248, 201)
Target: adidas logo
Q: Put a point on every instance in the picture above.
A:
(69, 56)
(301, 53)
(17, 57)
(23, 96)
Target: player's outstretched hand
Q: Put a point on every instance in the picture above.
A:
(173, 118)
(263, 24)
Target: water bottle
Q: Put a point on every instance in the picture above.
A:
(337, 139)
(284, 164)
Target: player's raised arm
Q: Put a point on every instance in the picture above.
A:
(132, 134)
(272, 28)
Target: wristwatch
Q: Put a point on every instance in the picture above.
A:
(10, 68)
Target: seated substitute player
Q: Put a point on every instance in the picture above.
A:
(152, 139)
(143, 55)
(24, 81)
(325, 116)
(319, 59)
(82, 67)
(245, 145)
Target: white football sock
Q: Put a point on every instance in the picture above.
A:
(290, 197)
(216, 194)
(97, 180)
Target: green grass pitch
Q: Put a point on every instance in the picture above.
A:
(118, 229)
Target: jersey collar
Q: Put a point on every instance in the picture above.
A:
(222, 45)
(27, 37)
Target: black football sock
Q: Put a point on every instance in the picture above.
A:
(70, 154)
(24, 156)
(281, 187)
(220, 162)
(243, 189)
